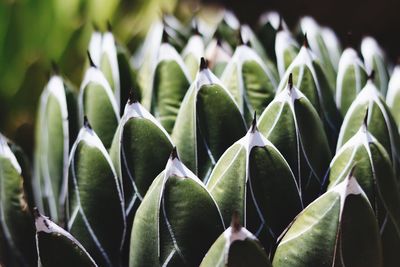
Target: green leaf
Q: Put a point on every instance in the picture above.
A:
(16, 222)
(96, 210)
(254, 179)
(380, 122)
(250, 81)
(337, 229)
(208, 122)
(375, 60)
(57, 247)
(351, 79)
(286, 50)
(97, 102)
(309, 77)
(218, 54)
(251, 39)
(236, 247)
(292, 124)
(171, 81)
(177, 221)
(192, 53)
(54, 132)
(372, 164)
(393, 96)
(228, 28)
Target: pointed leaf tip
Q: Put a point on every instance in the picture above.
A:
(280, 25)
(366, 118)
(54, 67)
(86, 123)
(132, 97)
(351, 173)
(203, 63)
(90, 60)
(164, 36)
(290, 81)
(235, 223)
(36, 212)
(371, 76)
(174, 153)
(305, 41)
(95, 27)
(109, 27)
(254, 123)
(195, 27)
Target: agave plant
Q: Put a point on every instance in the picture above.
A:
(304, 188)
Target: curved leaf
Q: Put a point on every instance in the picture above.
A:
(171, 81)
(208, 122)
(177, 221)
(218, 54)
(292, 124)
(254, 179)
(393, 96)
(16, 222)
(96, 214)
(192, 53)
(57, 247)
(286, 50)
(97, 102)
(250, 81)
(350, 80)
(337, 229)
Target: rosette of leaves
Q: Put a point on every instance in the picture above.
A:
(97, 102)
(17, 233)
(292, 124)
(171, 81)
(236, 247)
(351, 78)
(375, 60)
(177, 221)
(269, 24)
(57, 247)
(393, 95)
(218, 53)
(286, 50)
(254, 179)
(310, 78)
(318, 45)
(250, 81)
(373, 166)
(192, 53)
(380, 122)
(337, 229)
(103, 52)
(208, 122)
(96, 210)
(56, 128)
(139, 152)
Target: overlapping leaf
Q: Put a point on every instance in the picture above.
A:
(177, 221)
(292, 124)
(96, 210)
(192, 53)
(254, 179)
(218, 54)
(286, 50)
(337, 229)
(393, 95)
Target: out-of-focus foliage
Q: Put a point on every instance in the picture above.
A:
(34, 32)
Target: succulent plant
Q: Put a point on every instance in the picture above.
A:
(146, 164)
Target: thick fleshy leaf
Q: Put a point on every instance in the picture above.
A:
(393, 95)
(192, 53)
(372, 164)
(351, 78)
(55, 130)
(236, 247)
(309, 77)
(208, 122)
(254, 179)
(292, 124)
(337, 229)
(250, 38)
(228, 28)
(286, 50)
(269, 24)
(380, 122)
(218, 54)
(375, 60)
(333, 45)
(317, 44)
(250, 81)
(96, 211)
(97, 102)
(16, 223)
(171, 81)
(57, 247)
(177, 221)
